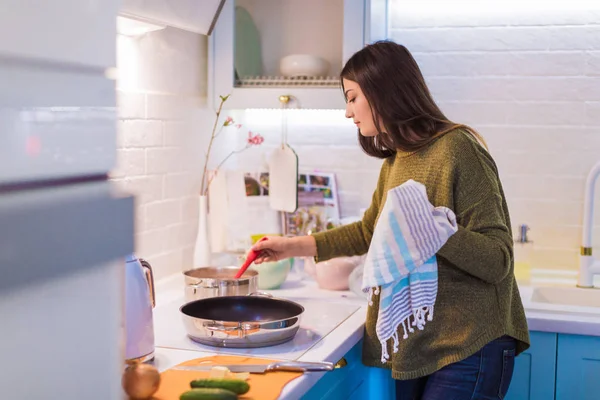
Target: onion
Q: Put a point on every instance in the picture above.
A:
(140, 381)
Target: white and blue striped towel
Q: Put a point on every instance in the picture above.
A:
(402, 260)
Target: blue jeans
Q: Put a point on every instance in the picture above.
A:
(483, 375)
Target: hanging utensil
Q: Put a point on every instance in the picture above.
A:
(283, 169)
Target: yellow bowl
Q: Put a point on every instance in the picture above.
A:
(256, 238)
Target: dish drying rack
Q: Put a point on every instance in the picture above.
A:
(282, 81)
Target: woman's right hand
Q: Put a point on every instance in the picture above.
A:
(276, 248)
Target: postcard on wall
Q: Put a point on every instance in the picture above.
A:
(318, 205)
(262, 219)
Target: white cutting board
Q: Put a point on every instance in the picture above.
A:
(283, 179)
(218, 212)
(227, 201)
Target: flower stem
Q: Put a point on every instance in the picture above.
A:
(204, 184)
(224, 160)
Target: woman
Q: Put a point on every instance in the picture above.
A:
(467, 351)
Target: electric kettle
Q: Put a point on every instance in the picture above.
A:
(139, 302)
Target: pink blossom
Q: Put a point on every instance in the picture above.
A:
(228, 121)
(238, 126)
(255, 140)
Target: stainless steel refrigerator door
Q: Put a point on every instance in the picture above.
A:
(61, 291)
(55, 123)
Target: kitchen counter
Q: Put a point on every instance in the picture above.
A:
(338, 338)
(560, 318)
(337, 341)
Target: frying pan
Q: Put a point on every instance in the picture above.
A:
(242, 321)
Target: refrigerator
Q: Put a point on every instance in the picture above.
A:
(64, 230)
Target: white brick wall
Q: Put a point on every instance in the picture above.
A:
(163, 126)
(529, 81)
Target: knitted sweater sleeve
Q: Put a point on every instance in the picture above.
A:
(352, 239)
(483, 245)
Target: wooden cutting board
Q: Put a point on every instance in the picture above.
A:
(267, 386)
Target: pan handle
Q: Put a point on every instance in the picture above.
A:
(221, 328)
(264, 294)
(212, 328)
(239, 328)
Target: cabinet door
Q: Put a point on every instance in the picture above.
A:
(578, 372)
(61, 31)
(342, 382)
(354, 381)
(535, 369)
(285, 28)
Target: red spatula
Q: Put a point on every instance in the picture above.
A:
(249, 260)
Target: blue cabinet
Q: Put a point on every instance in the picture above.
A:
(354, 381)
(578, 367)
(534, 375)
(555, 367)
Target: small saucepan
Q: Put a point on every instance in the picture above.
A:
(255, 320)
(205, 282)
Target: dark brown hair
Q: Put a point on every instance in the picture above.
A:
(400, 100)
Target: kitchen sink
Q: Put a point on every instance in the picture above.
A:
(568, 296)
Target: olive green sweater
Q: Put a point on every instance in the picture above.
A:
(478, 298)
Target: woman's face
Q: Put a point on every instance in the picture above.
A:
(358, 108)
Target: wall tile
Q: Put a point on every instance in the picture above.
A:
(140, 133)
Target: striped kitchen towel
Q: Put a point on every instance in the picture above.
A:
(401, 262)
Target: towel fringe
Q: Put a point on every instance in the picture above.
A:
(419, 318)
(384, 353)
(410, 328)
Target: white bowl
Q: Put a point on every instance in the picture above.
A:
(333, 274)
(300, 65)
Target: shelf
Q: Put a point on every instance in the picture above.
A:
(284, 82)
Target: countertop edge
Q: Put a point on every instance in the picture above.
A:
(335, 345)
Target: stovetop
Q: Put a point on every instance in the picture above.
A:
(319, 319)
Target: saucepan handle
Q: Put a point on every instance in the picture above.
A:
(264, 294)
(199, 286)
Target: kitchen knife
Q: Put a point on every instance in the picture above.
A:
(293, 366)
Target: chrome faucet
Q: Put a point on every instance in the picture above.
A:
(588, 265)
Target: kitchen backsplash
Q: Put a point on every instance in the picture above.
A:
(163, 127)
(528, 81)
